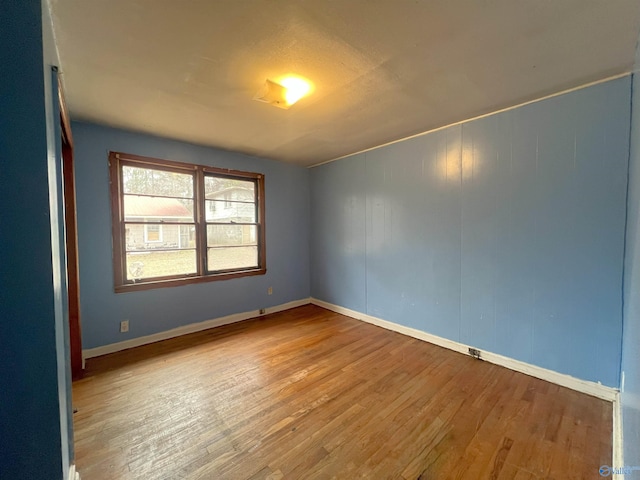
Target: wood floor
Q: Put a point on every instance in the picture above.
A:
(308, 393)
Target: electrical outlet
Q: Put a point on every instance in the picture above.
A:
(124, 326)
(270, 291)
(474, 352)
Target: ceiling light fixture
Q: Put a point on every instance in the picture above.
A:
(284, 91)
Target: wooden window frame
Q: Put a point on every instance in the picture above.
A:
(121, 284)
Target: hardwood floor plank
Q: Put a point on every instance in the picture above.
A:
(309, 393)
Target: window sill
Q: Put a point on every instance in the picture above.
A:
(176, 282)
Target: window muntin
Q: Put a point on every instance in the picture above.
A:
(177, 223)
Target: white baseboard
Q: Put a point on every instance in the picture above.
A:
(584, 386)
(73, 475)
(186, 329)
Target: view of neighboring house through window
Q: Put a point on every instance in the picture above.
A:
(232, 236)
(176, 223)
(156, 202)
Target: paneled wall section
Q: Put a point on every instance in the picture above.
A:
(505, 233)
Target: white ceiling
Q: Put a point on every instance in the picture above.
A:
(383, 69)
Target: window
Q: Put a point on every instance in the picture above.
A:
(152, 233)
(177, 223)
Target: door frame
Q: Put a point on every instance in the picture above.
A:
(71, 235)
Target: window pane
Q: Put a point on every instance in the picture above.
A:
(148, 181)
(218, 188)
(142, 237)
(223, 211)
(221, 235)
(225, 258)
(157, 209)
(142, 265)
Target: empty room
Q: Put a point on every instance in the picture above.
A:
(313, 239)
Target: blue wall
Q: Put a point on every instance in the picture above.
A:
(630, 396)
(152, 311)
(505, 233)
(35, 436)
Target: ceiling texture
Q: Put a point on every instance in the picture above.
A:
(382, 69)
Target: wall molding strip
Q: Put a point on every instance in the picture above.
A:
(584, 386)
(73, 475)
(587, 387)
(186, 329)
(478, 117)
(618, 451)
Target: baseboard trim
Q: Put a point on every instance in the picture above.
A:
(186, 329)
(584, 386)
(73, 475)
